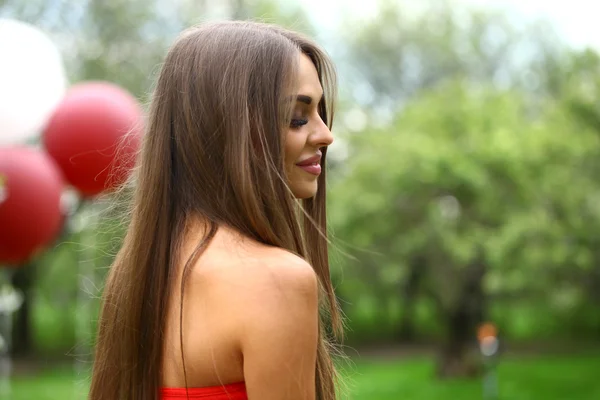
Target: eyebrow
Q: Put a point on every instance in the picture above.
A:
(302, 98)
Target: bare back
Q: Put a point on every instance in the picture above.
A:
(228, 293)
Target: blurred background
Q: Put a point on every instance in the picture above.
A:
(464, 191)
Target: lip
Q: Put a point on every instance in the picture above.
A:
(311, 165)
(309, 161)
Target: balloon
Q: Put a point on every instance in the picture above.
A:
(30, 203)
(32, 81)
(94, 135)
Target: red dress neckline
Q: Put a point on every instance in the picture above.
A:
(232, 391)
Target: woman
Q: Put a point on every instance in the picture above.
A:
(222, 286)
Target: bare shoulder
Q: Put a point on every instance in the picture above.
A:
(280, 269)
(282, 286)
(279, 327)
(255, 285)
(265, 300)
(260, 272)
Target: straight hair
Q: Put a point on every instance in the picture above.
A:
(214, 148)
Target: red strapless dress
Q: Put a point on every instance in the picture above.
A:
(233, 391)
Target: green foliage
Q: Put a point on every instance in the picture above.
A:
(463, 170)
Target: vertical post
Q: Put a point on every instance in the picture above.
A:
(488, 345)
(10, 301)
(490, 379)
(5, 322)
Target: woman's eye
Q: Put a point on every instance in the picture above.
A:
(298, 122)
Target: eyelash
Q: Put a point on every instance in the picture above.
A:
(296, 123)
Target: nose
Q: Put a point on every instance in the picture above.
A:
(321, 136)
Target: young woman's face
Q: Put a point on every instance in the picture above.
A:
(307, 134)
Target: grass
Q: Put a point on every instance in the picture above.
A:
(544, 378)
(547, 378)
(60, 384)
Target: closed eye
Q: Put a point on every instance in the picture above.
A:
(296, 123)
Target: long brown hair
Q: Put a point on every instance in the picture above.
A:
(214, 147)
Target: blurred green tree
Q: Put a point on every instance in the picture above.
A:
(461, 191)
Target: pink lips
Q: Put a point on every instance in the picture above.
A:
(311, 165)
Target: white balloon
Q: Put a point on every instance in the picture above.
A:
(32, 81)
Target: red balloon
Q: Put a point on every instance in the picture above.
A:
(30, 212)
(94, 135)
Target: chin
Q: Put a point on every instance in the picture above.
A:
(305, 191)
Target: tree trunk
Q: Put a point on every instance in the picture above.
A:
(594, 286)
(406, 330)
(458, 356)
(22, 333)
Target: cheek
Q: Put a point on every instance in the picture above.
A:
(293, 147)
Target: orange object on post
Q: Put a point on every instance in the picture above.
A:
(486, 330)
